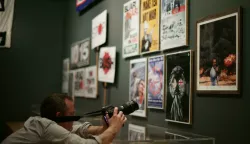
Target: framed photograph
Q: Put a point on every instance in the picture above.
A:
(2, 5)
(173, 136)
(138, 85)
(136, 132)
(79, 82)
(156, 67)
(80, 54)
(149, 26)
(174, 24)
(99, 30)
(131, 23)
(65, 78)
(218, 53)
(106, 70)
(91, 82)
(179, 87)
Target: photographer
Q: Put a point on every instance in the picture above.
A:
(43, 130)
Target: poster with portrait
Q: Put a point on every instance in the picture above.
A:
(179, 87)
(106, 69)
(156, 68)
(136, 132)
(218, 53)
(91, 82)
(99, 29)
(65, 73)
(149, 26)
(79, 82)
(6, 22)
(138, 85)
(80, 54)
(131, 14)
(174, 23)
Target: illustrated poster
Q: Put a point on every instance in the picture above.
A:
(136, 132)
(99, 30)
(173, 23)
(131, 13)
(138, 85)
(156, 82)
(79, 82)
(149, 29)
(65, 78)
(80, 54)
(106, 70)
(91, 82)
(178, 87)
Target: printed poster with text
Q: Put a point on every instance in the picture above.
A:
(131, 29)
(149, 26)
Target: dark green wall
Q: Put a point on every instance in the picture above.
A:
(225, 118)
(31, 68)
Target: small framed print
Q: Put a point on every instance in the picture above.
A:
(218, 53)
(179, 77)
(136, 132)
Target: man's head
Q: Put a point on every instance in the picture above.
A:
(58, 105)
(214, 62)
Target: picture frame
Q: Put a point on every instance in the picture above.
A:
(138, 85)
(65, 75)
(80, 54)
(219, 53)
(174, 27)
(136, 132)
(156, 82)
(79, 80)
(179, 87)
(2, 6)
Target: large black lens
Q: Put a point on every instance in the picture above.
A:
(129, 107)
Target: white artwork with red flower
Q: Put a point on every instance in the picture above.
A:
(106, 69)
(99, 30)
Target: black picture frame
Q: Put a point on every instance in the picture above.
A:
(2, 8)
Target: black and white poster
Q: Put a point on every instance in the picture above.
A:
(136, 132)
(80, 54)
(178, 87)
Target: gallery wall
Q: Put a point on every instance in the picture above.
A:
(224, 117)
(31, 68)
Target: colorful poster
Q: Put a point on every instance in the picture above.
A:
(99, 30)
(149, 29)
(91, 82)
(107, 58)
(179, 87)
(65, 78)
(173, 24)
(6, 22)
(156, 82)
(138, 85)
(131, 13)
(80, 54)
(136, 132)
(79, 82)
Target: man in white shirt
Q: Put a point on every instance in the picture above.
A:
(39, 130)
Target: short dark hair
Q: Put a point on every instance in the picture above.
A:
(53, 104)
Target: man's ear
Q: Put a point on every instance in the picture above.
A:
(58, 114)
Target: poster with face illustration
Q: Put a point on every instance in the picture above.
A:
(138, 85)
(131, 29)
(99, 30)
(106, 69)
(156, 82)
(91, 82)
(79, 82)
(178, 87)
(149, 26)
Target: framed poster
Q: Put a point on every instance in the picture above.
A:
(2, 5)
(173, 136)
(174, 23)
(80, 54)
(156, 67)
(99, 30)
(179, 87)
(131, 14)
(136, 132)
(149, 26)
(65, 79)
(218, 53)
(79, 82)
(91, 82)
(81, 5)
(71, 84)
(106, 70)
(138, 85)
